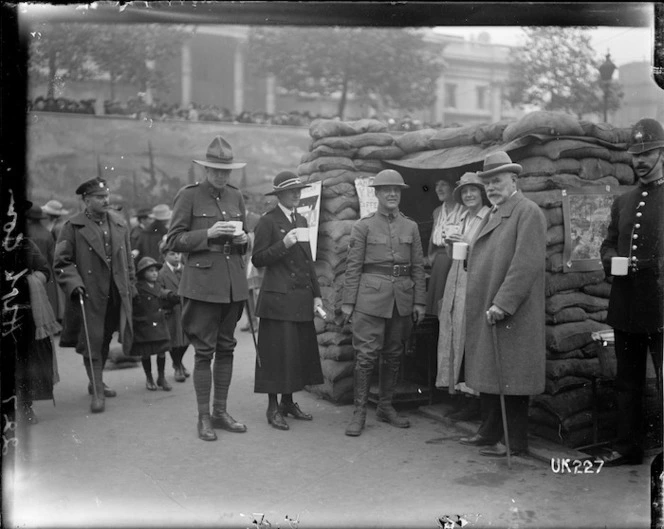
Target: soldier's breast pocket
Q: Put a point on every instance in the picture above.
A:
(203, 217)
(405, 242)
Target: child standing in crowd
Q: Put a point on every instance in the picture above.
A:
(150, 329)
(169, 280)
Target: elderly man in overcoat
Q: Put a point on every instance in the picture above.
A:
(214, 282)
(384, 292)
(636, 305)
(92, 259)
(506, 292)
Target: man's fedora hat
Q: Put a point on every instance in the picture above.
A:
(647, 134)
(146, 262)
(470, 179)
(284, 181)
(388, 177)
(95, 186)
(54, 207)
(499, 162)
(219, 155)
(161, 212)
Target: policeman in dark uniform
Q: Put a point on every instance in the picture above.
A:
(385, 293)
(214, 283)
(636, 305)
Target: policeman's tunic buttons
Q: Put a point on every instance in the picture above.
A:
(634, 258)
(635, 236)
(634, 247)
(644, 194)
(639, 214)
(641, 204)
(637, 226)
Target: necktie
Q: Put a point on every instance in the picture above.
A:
(293, 217)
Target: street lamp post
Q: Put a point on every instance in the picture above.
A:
(606, 73)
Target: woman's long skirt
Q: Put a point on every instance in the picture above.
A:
(440, 268)
(289, 357)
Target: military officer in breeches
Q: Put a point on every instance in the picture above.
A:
(214, 283)
(385, 293)
(636, 305)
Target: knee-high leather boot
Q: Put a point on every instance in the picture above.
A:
(388, 378)
(360, 398)
(222, 374)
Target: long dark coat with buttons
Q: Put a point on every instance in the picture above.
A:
(287, 342)
(80, 260)
(636, 231)
(169, 281)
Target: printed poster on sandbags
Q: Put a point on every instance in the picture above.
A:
(366, 195)
(309, 208)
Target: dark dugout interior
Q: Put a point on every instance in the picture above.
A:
(419, 201)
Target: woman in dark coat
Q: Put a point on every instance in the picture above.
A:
(35, 366)
(287, 345)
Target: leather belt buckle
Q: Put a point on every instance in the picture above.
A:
(395, 270)
(227, 249)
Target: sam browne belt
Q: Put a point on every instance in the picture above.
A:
(387, 270)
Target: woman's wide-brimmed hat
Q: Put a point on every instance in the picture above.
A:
(285, 181)
(499, 162)
(161, 212)
(470, 179)
(54, 207)
(219, 155)
(146, 262)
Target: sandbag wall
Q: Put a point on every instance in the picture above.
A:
(339, 153)
(569, 153)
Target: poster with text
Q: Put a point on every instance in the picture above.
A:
(366, 195)
(309, 208)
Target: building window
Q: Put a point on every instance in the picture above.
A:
(481, 97)
(450, 95)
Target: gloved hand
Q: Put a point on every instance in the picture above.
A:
(79, 292)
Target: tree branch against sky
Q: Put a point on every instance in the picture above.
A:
(395, 67)
(557, 69)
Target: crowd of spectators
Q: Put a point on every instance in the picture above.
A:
(137, 108)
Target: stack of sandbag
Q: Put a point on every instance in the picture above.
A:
(339, 153)
(570, 154)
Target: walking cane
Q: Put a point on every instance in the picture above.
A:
(87, 339)
(502, 396)
(250, 316)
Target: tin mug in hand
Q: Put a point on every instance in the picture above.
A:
(302, 234)
(237, 224)
(459, 251)
(619, 266)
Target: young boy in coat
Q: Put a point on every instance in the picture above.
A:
(151, 331)
(169, 280)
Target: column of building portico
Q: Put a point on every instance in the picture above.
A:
(186, 75)
(439, 107)
(238, 79)
(270, 94)
(496, 101)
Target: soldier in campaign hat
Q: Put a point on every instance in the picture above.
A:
(92, 261)
(636, 304)
(384, 292)
(207, 227)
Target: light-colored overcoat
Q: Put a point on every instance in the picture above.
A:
(80, 260)
(506, 268)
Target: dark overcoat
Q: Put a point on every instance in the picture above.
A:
(209, 274)
(149, 318)
(43, 238)
(506, 268)
(172, 306)
(290, 284)
(636, 231)
(80, 260)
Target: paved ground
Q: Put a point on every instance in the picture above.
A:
(141, 464)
